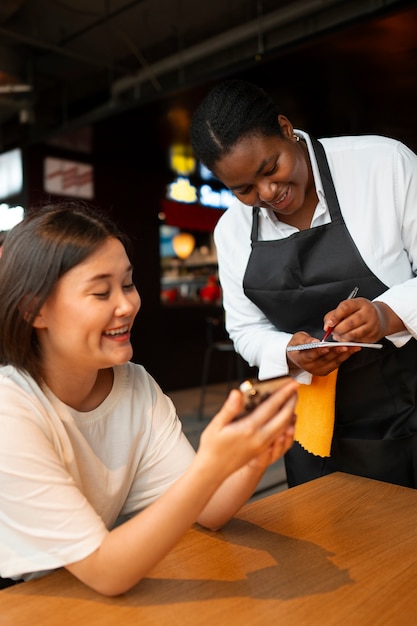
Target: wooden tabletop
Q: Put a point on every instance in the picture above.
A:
(340, 550)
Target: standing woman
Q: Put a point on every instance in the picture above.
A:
(311, 221)
(88, 439)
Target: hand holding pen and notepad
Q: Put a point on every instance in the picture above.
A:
(350, 297)
(335, 344)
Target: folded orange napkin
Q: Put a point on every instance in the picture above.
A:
(315, 414)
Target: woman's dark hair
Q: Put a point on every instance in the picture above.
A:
(232, 110)
(36, 253)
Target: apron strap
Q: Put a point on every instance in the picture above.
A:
(254, 231)
(327, 180)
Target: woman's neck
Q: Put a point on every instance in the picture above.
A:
(82, 394)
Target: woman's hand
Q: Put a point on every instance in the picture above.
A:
(317, 361)
(242, 449)
(361, 320)
(258, 439)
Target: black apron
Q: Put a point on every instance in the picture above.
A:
(295, 282)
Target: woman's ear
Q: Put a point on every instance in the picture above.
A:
(38, 322)
(26, 309)
(287, 129)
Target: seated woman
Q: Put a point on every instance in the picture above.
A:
(96, 474)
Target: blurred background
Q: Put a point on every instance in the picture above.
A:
(96, 98)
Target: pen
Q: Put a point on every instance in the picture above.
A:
(350, 296)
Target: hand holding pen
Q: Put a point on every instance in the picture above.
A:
(362, 320)
(330, 328)
(355, 321)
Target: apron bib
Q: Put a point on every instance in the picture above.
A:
(295, 281)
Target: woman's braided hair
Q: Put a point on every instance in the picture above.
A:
(232, 110)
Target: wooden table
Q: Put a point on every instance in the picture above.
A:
(340, 550)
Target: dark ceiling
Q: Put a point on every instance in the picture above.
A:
(66, 63)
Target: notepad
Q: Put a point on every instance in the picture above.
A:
(332, 344)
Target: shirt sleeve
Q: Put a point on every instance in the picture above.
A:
(45, 520)
(255, 338)
(401, 297)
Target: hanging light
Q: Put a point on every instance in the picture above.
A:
(183, 245)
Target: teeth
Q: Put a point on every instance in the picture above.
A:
(118, 331)
(284, 195)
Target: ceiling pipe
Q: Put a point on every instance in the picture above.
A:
(281, 17)
(303, 9)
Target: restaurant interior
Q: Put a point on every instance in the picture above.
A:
(116, 133)
(96, 99)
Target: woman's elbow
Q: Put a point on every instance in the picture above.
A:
(107, 581)
(212, 522)
(109, 586)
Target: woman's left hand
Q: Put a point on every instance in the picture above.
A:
(276, 450)
(318, 361)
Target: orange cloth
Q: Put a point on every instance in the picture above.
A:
(315, 414)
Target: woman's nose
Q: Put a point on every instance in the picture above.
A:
(128, 303)
(267, 190)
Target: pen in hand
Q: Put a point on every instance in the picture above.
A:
(350, 296)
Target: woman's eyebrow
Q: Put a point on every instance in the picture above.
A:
(263, 164)
(234, 187)
(108, 275)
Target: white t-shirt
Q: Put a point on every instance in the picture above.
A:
(376, 184)
(67, 476)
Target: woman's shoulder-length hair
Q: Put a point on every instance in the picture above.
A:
(36, 253)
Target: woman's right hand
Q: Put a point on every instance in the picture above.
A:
(258, 439)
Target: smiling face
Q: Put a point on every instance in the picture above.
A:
(272, 172)
(85, 324)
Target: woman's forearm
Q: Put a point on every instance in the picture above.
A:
(129, 551)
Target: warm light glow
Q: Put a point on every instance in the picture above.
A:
(182, 190)
(183, 245)
(182, 160)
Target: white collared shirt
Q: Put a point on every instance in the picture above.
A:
(376, 184)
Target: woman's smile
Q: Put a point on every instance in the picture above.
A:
(282, 202)
(118, 334)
